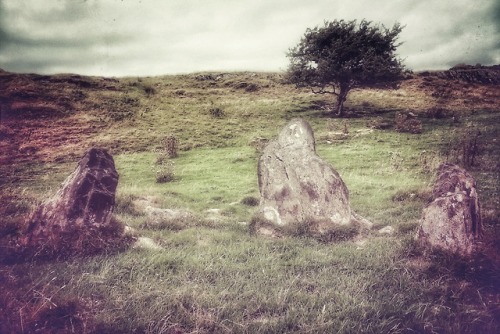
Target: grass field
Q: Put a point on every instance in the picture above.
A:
(207, 273)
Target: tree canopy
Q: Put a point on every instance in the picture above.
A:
(343, 55)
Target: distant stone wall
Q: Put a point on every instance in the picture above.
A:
(486, 75)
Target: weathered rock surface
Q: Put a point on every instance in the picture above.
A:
(452, 221)
(80, 211)
(147, 244)
(388, 230)
(297, 186)
(157, 217)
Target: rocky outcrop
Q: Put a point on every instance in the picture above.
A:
(297, 186)
(482, 75)
(452, 221)
(78, 219)
(485, 75)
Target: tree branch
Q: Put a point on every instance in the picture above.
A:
(324, 91)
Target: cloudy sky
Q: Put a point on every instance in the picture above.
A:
(154, 37)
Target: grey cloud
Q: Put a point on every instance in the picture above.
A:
(495, 14)
(64, 35)
(157, 37)
(42, 59)
(23, 14)
(70, 11)
(441, 34)
(4, 35)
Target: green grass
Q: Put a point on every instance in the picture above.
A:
(212, 275)
(226, 281)
(204, 178)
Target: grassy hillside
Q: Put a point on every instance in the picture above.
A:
(206, 273)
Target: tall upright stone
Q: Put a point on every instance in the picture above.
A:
(297, 186)
(452, 221)
(79, 216)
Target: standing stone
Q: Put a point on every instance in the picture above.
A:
(80, 212)
(297, 186)
(452, 221)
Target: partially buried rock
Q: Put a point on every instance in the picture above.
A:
(298, 187)
(452, 221)
(173, 219)
(78, 219)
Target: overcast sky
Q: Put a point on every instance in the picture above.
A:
(155, 37)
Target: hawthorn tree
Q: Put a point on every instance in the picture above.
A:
(343, 55)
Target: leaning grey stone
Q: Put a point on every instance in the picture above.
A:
(80, 212)
(452, 221)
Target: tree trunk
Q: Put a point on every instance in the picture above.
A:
(341, 98)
